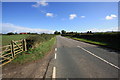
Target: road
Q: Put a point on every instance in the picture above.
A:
(75, 59)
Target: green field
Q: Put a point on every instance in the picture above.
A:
(0, 40)
(6, 39)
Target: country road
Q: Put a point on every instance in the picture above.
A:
(69, 59)
(75, 59)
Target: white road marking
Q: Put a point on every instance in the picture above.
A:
(55, 49)
(54, 73)
(99, 57)
(55, 55)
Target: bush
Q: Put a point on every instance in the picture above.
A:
(34, 41)
(10, 33)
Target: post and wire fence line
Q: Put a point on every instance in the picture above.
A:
(9, 52)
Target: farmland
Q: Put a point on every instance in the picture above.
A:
(6, 39)
(37, 46)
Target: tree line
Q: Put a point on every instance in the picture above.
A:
(65, 32)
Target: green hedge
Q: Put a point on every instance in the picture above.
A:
(111, 39)
(38, 39)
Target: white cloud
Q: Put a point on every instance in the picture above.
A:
(49, 14)
(82, 16)
(104, 30)
(42, 3)
(112, 16)
(72, 16)
(8, 27)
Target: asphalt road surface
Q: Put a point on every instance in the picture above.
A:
(75, 59)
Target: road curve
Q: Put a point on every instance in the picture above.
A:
(75, 59)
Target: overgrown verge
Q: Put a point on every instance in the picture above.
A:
(37, 46)
(108, 39)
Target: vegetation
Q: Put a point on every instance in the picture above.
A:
(37, 46)
(6, 39)
(109, 39)
(89, 41)
(63, 32)
(10, 33)
(56, 33)
(34, 41)
(36, 53)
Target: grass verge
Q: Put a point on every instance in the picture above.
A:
(107, 45)
(89, 41)
(36, 53)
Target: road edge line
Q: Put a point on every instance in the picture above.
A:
(99, 57)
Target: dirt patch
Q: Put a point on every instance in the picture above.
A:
(35, 69)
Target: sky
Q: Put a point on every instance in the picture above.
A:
(48, 17)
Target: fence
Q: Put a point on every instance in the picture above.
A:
(9, 52)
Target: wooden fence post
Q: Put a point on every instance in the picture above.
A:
(12, 49)
(24, 44)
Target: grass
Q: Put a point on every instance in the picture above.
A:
(0, 40)
(6, 39)
(88, 41)
(36, 53)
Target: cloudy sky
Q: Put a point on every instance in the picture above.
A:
(50, 16)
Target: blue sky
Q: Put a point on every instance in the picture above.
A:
(50, 16)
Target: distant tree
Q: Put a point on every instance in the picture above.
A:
(16, 33)
(28, 33)
(10, 33)
(63, 32)
(56, 32)
(90, 32)
(34, 33)
(71, 32)
(43, 33)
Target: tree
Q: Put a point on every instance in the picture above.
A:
(89, 32)
(10, 33)
(63, 32)
(16, 33)
(56, 32)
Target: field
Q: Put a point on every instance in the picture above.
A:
(6, 39)
(37, 46)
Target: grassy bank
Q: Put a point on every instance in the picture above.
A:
(88, 41)
(36, 53)
(106, 39)
(94, 42)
